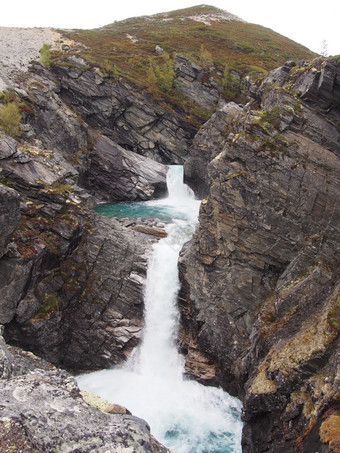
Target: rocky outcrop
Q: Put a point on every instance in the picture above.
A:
(207, 145)
(9, 215)
(114, 174)
(45, 411)
(195, 84)
(260, 279)
(86, 310)
(71, 285)
(131, 119)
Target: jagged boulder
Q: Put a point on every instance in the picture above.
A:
(45, 411)
(321, 88)
(115, 174)
(207, 145)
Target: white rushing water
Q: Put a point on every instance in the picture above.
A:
(185, 416)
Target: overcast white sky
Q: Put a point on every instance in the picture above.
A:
(304, 21)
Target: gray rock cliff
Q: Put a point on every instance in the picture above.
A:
(260, 278)
(131, 119)
(71, 285)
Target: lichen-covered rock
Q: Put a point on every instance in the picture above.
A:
(42, 409)
(103, 405)
(260, 278)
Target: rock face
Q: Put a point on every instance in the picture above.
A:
(190, 81)
(44, 411)
(207, 145)
(85, 311)
(71, 286)
(9, 215)
(133, 121)
(260, 279)
(114, 174)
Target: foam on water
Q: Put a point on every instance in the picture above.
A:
(184, 415)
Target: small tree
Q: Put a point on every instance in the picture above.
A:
(45, 53)
(205, 57)
(165, 73)
(10, 118)
(151, 79)
(230, 84)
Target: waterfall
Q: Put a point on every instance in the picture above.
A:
(184, 415)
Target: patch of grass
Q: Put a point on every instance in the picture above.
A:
(276, 146)
(268, 120)
(10, 119)
(48, 303)
(333, 318)
(45, 53)
(8, 96)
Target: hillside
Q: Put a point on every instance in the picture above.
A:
(225, 46)
(130, 43)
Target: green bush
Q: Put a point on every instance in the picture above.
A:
(205, 57)
(231, 85)
(165, 74)
(45, 53)
(10, 118)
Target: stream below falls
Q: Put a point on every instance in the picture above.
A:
(184, 415)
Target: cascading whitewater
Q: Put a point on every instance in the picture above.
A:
(184, 415)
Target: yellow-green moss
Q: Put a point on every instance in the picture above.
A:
(102, 405)
(49, 303)
(35, 151)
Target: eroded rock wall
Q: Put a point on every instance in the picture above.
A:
(130, 118)
(260, 278)
(71, 286)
